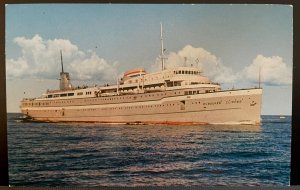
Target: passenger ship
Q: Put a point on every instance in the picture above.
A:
(181, 95)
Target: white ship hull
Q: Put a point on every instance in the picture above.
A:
(223, 107)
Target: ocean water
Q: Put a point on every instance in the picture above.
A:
(89, 155)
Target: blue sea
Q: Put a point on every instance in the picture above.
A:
(90, 155)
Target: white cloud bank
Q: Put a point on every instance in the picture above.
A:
(273, 71)
(41, 59)
(210, 65)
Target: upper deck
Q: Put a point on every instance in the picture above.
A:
(138, 81)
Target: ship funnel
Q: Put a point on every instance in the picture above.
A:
(61, 61)
(65, 83)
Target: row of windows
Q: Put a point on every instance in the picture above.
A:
(130, 107)
(60, 95)
(197, 92)
(67, 94)
(46, 103)
(187, 72)
(175, 72)
(37, 104)
(140, 107)
(151, 79)
(130, 97)
(191, 92)
(109, 99)
(119, 108)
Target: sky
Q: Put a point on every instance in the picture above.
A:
(99, 42)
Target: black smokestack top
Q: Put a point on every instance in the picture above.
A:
(61, 60)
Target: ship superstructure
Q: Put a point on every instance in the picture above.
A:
(180, 95)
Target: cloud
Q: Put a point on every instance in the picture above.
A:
(16, 67)
(96, 67)
(40, 58)
(209, 64)
(273, 71)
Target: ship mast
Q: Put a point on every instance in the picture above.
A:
(162, 49)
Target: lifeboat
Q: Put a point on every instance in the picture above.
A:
(133, 73)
